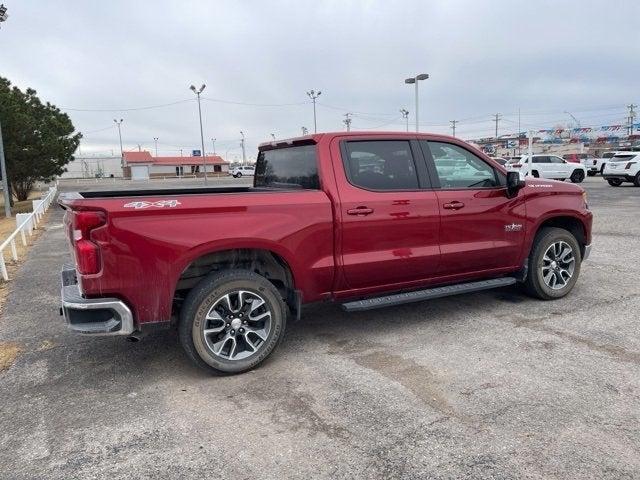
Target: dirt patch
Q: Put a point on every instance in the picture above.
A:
(9, 351)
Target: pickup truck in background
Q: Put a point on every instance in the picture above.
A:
(363, 219)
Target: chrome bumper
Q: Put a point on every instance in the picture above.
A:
(587, 252)
(93, 316)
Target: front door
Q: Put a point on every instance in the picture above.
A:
(389, 213)
(481, 230)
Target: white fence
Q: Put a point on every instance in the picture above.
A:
(26, 222)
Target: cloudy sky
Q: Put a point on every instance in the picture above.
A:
(117, 59)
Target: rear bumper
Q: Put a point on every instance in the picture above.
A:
(618, 176)
(93, 316)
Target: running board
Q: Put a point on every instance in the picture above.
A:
(428, 294)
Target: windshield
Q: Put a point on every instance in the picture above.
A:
(290, 167)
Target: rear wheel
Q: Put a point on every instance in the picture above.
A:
(554, 264)
(535, 174)
(232, 321)
(577, 176)
(636, 180)
(614, 182)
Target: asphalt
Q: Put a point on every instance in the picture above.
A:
(488, 385)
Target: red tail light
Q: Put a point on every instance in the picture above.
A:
(87, 252)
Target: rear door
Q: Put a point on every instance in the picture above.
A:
(481, 230)
(542, 165)
(389, 213)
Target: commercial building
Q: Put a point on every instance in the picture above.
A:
(142, 165)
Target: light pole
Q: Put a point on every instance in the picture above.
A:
(405, 115)
(213, 141)
(415, 80)
(5, 180)
(155, 139)
(244, 156)
(204, 157)
(313, 95)
(119, 122)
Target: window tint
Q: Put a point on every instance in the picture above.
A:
(553, 159)
(540, 159)
(381, 165)
(459, 168)
(292, 167)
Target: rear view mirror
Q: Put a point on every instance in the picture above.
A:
(514, 183)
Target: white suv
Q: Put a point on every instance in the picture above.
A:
(623, 167)
(238, 172)
(548, 166)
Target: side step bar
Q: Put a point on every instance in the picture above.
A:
(428, 294)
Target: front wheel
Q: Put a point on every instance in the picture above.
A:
(554, 264)
(614, 182)
(577, 176)
(636, 180)
(232, 321)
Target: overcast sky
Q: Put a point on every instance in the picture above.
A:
(542, 57)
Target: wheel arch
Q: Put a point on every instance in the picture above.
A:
(267, 261)
(567, 222)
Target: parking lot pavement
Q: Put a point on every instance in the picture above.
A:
(489, 385)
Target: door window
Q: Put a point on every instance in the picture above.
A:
(381, 165)
(555, 160)
(541, 159)
(458, 168)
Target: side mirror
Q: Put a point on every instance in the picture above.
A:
(514, 183)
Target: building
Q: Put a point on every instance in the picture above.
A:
(142, 165)
(93, 167)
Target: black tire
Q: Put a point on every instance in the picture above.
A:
(577, 176)
(614, 182)
(602, 169)
(591, 173)
(562, 179)
(636, 180)
(239, 174)
(535, 284)
(204, 296)
(535, 174)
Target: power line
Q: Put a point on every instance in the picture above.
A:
(148, 107)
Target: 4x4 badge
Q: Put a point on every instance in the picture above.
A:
(159, 203)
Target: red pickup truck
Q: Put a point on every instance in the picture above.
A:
(364, 219)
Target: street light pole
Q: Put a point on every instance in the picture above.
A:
(415, 80)
(244, 156)
(155, 139)
(213, 141)
(405, 115)
(5, 180)
(204, 156)
(313, 95)
(119, 122)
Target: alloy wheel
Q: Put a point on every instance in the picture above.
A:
(558, 265)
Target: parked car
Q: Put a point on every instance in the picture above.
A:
(366, 220)
(596, 165)
(623, 167)
(243, 171)
(548, 166)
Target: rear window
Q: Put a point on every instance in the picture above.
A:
(291, 167)
(621, 158)
(607, 154)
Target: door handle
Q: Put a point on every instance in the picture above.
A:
(360, 211)
(455, 205)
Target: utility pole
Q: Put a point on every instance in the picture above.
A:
(347, 121)
(155, 139)
(405, 115)
(453, 126)
(305, 131)
(5, 180)
(632, 116)
(273, 137)
(313, 95)
(213, 141)
(415, 80)
(244, 155)
(119, 122)
(204, 156)
(497, 118)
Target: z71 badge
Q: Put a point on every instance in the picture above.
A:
(144, 204)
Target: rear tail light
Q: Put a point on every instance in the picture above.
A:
(87, 252)
(629, 165)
